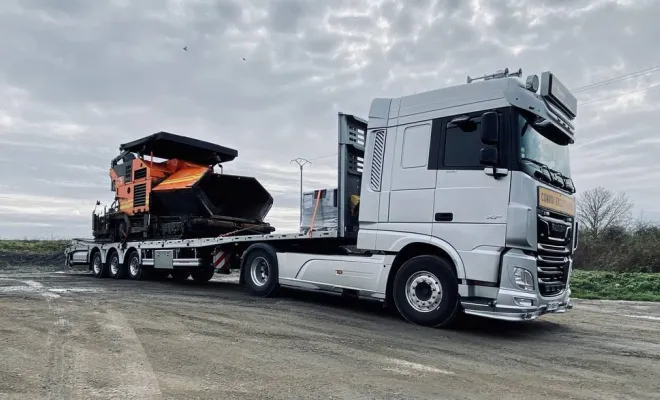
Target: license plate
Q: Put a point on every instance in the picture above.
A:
(555, 201)
(553, 306)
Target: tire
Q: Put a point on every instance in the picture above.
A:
(157, 274)
(261, 271)
(99, 269)
(180, 275)
(425, 291)
(135, 270)
(202, 274)
(116, 270)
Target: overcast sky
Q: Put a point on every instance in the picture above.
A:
(79, 77)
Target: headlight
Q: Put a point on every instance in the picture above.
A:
(523, 279)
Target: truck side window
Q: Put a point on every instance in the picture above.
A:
(463, 145)
(416, 141)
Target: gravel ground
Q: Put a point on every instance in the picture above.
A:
(68, 335)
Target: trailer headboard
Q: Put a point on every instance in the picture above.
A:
(352, 139)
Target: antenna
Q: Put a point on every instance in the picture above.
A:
(498, 74)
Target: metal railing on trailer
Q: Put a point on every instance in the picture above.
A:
(352, 137)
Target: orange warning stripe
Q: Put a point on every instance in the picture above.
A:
(182, 179)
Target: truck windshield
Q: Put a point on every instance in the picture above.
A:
(538, 149)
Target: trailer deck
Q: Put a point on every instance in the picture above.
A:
(79, 250)
(200, 242)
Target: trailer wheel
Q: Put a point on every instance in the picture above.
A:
(180, 275)
(99, 269)
(116, 269)
(135, 270)
(426, 291)
(157, 274)
(260, 270)
(202, 274)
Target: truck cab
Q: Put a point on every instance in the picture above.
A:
(477, 176)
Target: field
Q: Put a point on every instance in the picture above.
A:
(35, 253)
(33, 246)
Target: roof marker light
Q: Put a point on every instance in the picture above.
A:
(532, 83)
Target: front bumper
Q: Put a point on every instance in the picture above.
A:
(513, 304)
(504, 307)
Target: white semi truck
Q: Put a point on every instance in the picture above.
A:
(453, 200)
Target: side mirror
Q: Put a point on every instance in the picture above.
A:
(490, 128)
(489, 157)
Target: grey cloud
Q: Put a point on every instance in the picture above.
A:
(226, 13)
(286, 15)
(400, 22)
(94, 75)
(70, 7)
(319, 43)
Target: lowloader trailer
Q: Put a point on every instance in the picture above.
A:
(456, 200)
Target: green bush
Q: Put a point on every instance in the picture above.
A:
(634, 286)
(635, 249)
(33, 246)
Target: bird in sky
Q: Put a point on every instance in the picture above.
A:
(186, 48)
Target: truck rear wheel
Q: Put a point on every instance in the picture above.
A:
(426, 291)
(99, 269)
(260, 270)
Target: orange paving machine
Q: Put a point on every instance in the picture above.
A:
(166, 187)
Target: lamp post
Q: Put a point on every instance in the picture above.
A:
(301, 164)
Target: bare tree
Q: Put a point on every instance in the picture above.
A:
(599, 209)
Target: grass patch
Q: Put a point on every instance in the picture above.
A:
(33, 246)
(602, 285)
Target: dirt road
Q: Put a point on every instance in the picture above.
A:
(70, 336)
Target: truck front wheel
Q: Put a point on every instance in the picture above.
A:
(426, 291)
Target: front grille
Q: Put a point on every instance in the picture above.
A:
(140, 195)
(555, 247)
(140, 174)
(128, 172)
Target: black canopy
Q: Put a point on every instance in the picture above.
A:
(168, 145)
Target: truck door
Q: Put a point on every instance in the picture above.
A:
(470, 204)
(412, 182)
